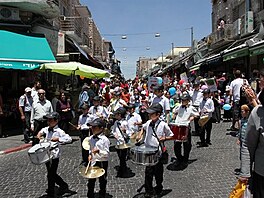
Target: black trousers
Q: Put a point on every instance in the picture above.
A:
(122, 154)
(208, 128)
(53, 177)
(26, 126)
(85, 153)
(102, 181)
(258, 186)
(187, 146)
(154, 171)
(38, 125)
(196, 125)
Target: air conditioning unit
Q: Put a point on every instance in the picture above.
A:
(10, 14)
(236, 27)
(247, 23)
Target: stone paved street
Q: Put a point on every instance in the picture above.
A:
(209, 175)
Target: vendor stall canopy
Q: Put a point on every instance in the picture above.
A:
(24, 51)
(75, 68)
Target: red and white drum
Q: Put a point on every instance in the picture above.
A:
(180, 132)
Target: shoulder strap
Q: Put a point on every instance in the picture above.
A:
(155, 134)
(117, 124)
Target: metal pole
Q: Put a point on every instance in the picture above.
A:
(172, 50)
(192, 38)
(161, 60)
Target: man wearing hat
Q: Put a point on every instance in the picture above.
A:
(163, 101)
(54, 134)
(184, 114)
(97, 110)
(157, 131)
(206, 109)
(25, 107)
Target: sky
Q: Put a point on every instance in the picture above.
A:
(140, 20)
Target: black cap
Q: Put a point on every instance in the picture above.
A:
(53, 115)
(131, 105)
(185, 96)
(85, 106)
(155, 108)
(120, 110)
(97, 122)
(96, 98)
(159, 88)
(206, 91)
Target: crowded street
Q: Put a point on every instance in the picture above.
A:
(210, 173)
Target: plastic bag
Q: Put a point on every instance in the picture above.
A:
(238, 190)
(247, 193)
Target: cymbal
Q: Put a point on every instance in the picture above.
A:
(86, 143)
(124, 146)
(92, 173)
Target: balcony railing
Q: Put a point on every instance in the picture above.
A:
(223, 34)
(72, 26)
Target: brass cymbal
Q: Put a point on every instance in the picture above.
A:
(86, 143)
(92, 173)
(124, 146)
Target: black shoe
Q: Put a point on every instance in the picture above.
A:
(158, 190)
(102, 193)
(198, 143)
(209, 143)
(63, 190)
(202, 145)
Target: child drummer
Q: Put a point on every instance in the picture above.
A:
(155, 128)
(120, 130)
(54, 134)
(99, 155)
(184, 114)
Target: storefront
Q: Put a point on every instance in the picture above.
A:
(20, 57)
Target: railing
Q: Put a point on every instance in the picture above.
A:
(73, 24)
(225, 33)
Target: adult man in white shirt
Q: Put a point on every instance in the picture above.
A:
(163, 101)
(235, 93)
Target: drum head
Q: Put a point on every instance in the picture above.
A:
(86, 143)
(144, 149)
(38, 146)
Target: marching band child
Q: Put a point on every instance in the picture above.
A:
(99, 155)
(119, 131)
(156, 131)
(184, 114)
(54, 134)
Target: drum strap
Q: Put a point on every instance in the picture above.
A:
(126, 139)
(156, 136)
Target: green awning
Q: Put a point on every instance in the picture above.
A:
(20, 51)
(195, 67)
(236, 54)
(256, 50)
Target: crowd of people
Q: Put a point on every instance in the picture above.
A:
(140, 113)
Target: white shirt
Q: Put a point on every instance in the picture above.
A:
(131, 120)
(235, 88)
(102, 143)
(57, 132)
(197, 97)
(34, 94)
(115, 104)
(123, 125)
(26, 103)
(184, 114)
(84, 120)
(164, 102)
(207, 107)
(98, 111)
(162, 130)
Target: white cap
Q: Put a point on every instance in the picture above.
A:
(28, 89)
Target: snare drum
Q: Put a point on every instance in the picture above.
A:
(180, 132)
(147, 156)
(40, 153)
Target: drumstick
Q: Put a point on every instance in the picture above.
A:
(86, 170)
(73, 125)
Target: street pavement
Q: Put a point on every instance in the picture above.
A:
(210, 173)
